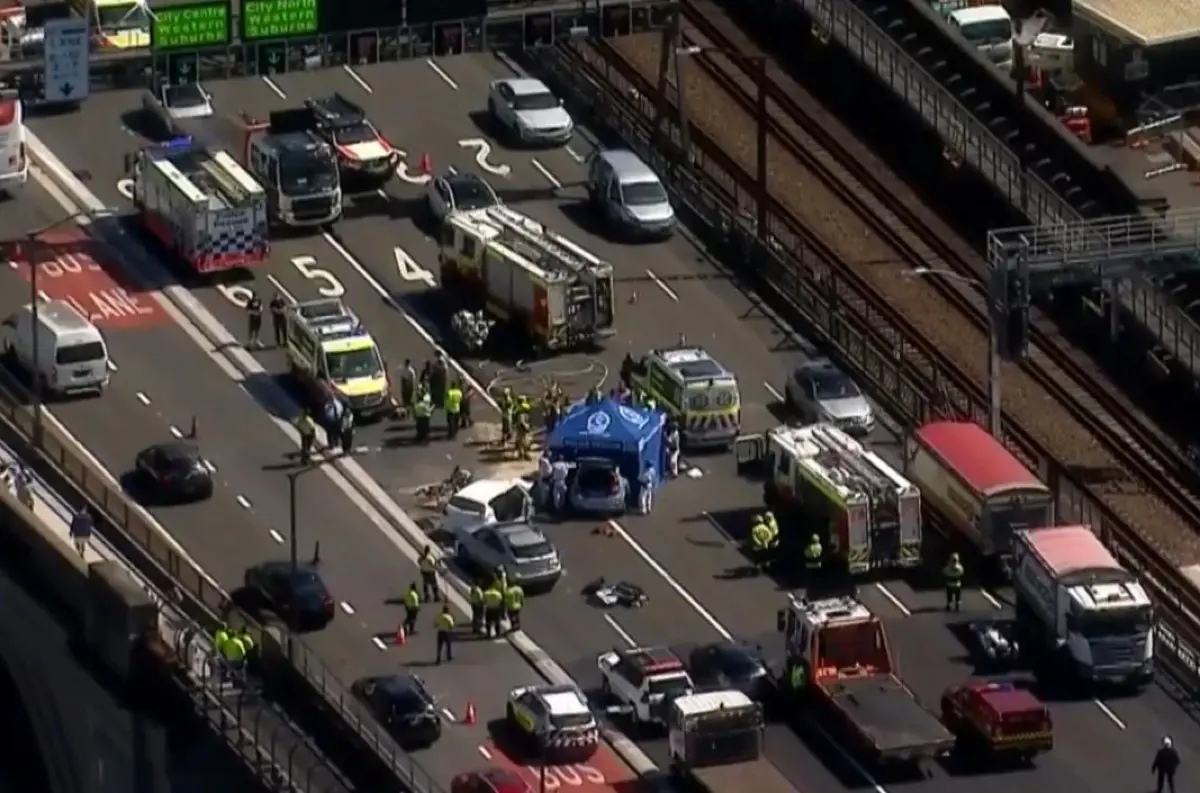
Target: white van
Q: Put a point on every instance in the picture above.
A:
(71, 355)
(989, 29)
(486, 501)
(14, 159)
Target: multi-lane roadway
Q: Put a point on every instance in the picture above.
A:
(684, 554)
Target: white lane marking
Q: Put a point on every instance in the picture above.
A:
(574, 155)
(243, 502)
(1107, 711)
(346, 607)
(773, 391)
(212, 468)
(449, 716)
(450, 169)
(544, 171)
(43, 297)
(145, 400)
(375, 640)
(283, 290)
(13, 264)
(356, 77)
(724, 633)
(424, 334)
(483, 750)
(178, 433)
(661, 284)
(112, 366)
(616, 626)
(441, 73)
(990, 598)
(276, 536)
(271, 84)
(897, 602)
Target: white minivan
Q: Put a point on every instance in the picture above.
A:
(71, 356)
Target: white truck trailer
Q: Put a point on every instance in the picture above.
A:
(1080, 607)
(201, 205)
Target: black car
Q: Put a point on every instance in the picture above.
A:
(174, 472)
(296, 593)
(731, 664)
(403, 705)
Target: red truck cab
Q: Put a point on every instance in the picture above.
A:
(997, 720)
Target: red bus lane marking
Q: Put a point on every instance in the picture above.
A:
(69, 269)
(603, 773)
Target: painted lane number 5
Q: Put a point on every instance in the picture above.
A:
(328, 284)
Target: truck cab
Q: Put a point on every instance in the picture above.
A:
(297, 168)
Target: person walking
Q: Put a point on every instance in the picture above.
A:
(278, 307)
(1166, 763)
(412, 608)
(514, 601)
(428, 565)
(444, 622)
(307, 429)
(493, 610)
(453, 406)
(81, 530)
(952, 575)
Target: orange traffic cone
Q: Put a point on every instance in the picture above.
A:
(426, 164)
(400, 639)
(470, 719)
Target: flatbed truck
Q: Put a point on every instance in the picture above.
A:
(838, 657)
(716, 744)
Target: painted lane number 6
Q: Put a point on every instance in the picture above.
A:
(328, 284)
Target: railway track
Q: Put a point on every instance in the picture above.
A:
(1125, 485)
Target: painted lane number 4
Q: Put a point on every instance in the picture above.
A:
(328, 284)
(411, 271)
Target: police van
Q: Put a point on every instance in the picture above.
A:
(59, 346)
(697, 391)
(330, 354)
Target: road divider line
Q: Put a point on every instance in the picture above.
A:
(244, 502)
(356, 77)
(616, 626)
(773, 391)
(990, 598)
(220, 345)
(447, 79)
(544, 171)
(274, 87)
(145, 400)
(661, 284)
(375, 640)
(346, 607)
(276, 536)
(897, 602)
(178, 433)
(1107, 711)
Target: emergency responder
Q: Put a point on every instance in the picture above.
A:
(438, 377)
(475, 595)
(651, 403)
(493, 610)
(524, 433)
(593, 396)
(307, 428)
(254, 318)
(346, 430)
(500, 578)
(760, 540)
(952, 575)
(247, 642)
(422, 416)
(627, 367)
(278, 307)
(408, 385)
(1166, 763)
(454, 398)
(219, 636)
(524, 407)
(508, 407)
(233, 652)
(646, 483)
(813, 554)
(772, 524)
(560, 473)
(514, 601)
(428, 565)
(673, 446)
(412, 608)
(550, 411)
(797, 677)
(444, 622)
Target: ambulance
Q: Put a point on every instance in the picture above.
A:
(699, 392)
(331, 356)
(14, 157)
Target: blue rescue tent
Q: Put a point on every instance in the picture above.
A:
(630, 436)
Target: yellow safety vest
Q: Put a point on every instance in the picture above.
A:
(412, 599)
(428, 562)
(454, 400)
(305, 426)
(444, 621)
(476, 595)
(233, 649)
(514, 598)
(760, 536)
(492, 597)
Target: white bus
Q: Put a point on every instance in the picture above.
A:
(14, 160)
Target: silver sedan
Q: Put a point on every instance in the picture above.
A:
(526, 554)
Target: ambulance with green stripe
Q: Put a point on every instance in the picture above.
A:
(819, 479)
(697, 391)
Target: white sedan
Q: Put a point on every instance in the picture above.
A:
(529, 112)
(454, 191)
(173, 106)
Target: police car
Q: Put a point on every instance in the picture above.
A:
(555, 721)
(644, 680)
(330, 355)
(699, 392)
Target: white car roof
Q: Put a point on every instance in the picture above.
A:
(566, 703)
(524, 86)
(482, 491)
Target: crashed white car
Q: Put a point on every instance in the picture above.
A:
(171, 107)
(531, 114)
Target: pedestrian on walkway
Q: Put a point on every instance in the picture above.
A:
(278, 307)
(81, 530)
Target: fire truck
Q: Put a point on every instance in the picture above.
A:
(553, 293)
(818, 478)
(848, 674)
(200, 204)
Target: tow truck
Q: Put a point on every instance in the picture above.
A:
(331, 355)
(820, 479)
(366, 160)
(200, 204)
(716, 740)
(554, 294)
(846, 664)
(997, 720)
(296, 166)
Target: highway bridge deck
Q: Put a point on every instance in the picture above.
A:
(682, 553)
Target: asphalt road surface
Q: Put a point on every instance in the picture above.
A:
(684, 554)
